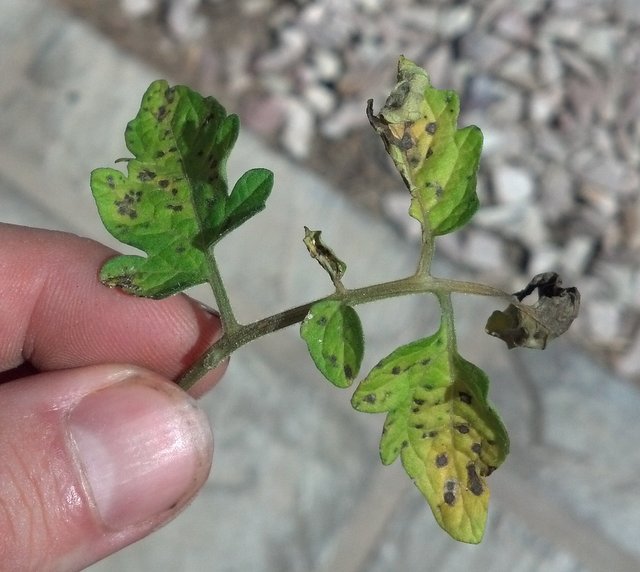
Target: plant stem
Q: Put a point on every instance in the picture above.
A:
(229, 322)
(241, 334)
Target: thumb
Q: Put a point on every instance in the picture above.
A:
(93, 459)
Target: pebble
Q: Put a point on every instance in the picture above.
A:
(298, 129)
(455, 21)
(184, 21)
(512, 185)
(138, 8)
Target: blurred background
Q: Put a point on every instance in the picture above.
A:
(297, 485)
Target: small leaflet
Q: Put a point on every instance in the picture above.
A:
(533, 326)
(334, 337)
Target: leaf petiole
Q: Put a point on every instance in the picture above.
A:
(237, 335)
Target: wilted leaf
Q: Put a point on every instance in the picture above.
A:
(334, 337)
(437, 161)
(173, 202)
(533, 326)
(324, 255)
(440, 423)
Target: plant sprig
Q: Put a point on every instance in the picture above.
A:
(174, 203)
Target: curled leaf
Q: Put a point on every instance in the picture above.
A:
(439, 421)
(533, 326)
(437, 161)
(324, 255)
(333, 333)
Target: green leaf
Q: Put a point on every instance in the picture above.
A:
(173, 203)
(440, 423)
(437, 161)
(333, 333)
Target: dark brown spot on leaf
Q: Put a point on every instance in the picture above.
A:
(159, 154)
(175, 208)
(162, 113)
(425, 361)
(419, 425)
(164, 183)
(110, 182)
(462, 428)
(418, 401)
(396, 370)
(476, 448)
(322, 321)
(406, 142)
(442, 460)
(431, 127)
(332, 359)
(433, 434)
(146, 175)
(473, 480)
(348, 372)
(449, 498)
(465, 397)
(169, 94)
(369, 398)
(398, 95)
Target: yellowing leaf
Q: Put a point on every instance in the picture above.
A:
(333, 333)
(437, 161)
(440, 423)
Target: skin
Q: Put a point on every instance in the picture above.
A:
(64, 338)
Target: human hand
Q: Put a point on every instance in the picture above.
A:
(98, 447)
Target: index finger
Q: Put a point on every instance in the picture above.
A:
(55, 314)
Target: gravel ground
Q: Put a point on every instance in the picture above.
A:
(554, 84)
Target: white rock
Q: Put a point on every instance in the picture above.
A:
(556, 191)
(483, 251)
(298, 130)
(544, 104)
(183, 20)
(604, 320)
(327, 64)
(518, 68)
(550, 69)
(576, 255)
(601, 43)
(629, 363)
(455, 21)
(320, 98)
(545, 258)
(138, 8)
(349, 115)
(514, 25)
(512, 184)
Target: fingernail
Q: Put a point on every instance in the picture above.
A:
(209, 309)
(143, 447)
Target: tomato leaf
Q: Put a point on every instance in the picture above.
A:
(533, 326)
(333, 333)
(441, 425)
(437, 161)
(173, 203)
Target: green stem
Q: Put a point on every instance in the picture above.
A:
(241, 335)
(229, 322)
